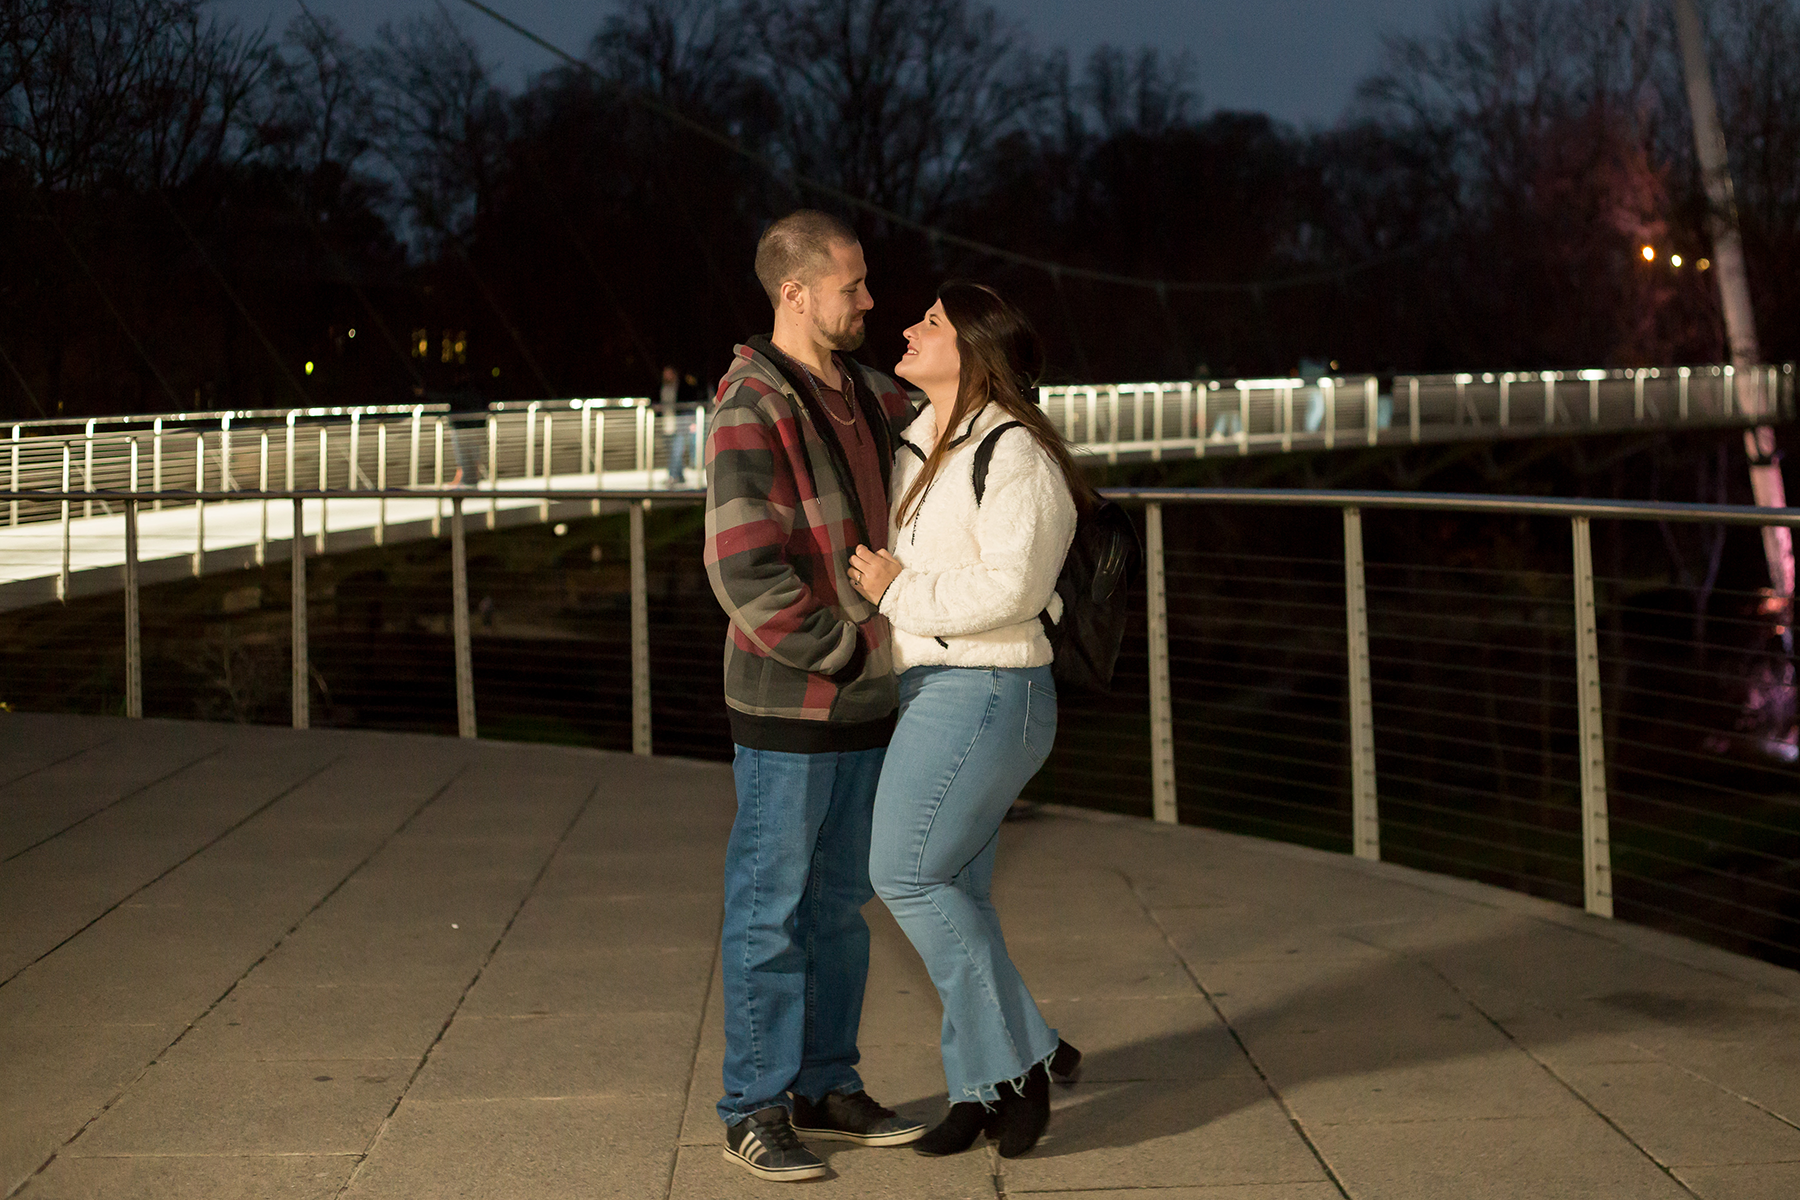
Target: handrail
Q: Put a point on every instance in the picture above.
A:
(1643, 510)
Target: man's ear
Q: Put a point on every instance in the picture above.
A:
(793, 295)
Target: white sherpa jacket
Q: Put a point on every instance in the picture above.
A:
(975, 578)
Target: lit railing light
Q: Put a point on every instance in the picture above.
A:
(1649, 253)
(1674, 260)
(309, 366)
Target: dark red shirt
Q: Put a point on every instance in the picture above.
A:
(869, 473)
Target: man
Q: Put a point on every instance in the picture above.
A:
(676, 405)
(797, 469)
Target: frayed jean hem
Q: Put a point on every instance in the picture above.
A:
(988, 1094)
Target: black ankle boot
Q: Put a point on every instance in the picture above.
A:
(955, 1133)
(1065, 1064)
(1021, 1115)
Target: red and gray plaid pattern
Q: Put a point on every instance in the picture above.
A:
(780, 525)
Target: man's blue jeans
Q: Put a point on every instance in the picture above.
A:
(795, 946)
(968, 740)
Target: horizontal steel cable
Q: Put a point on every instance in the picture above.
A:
(1695, 864)
(1389, 798)
(1502, 722)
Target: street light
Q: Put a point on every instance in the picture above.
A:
(1649, 253)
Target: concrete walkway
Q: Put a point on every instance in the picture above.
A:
(244, 962)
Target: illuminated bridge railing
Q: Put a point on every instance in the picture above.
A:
(1542, 694)
(1274, 416)
(619, 442)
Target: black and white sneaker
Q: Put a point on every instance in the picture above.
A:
(764, 1144)
(854, 1117)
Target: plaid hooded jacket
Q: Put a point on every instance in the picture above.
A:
(808, 661)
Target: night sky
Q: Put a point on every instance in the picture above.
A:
(1296, 59)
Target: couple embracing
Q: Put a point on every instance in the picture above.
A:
(890, 693)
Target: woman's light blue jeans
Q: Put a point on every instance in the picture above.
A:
(968, 740)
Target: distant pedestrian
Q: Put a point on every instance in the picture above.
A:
(677, 405)
(798, 457)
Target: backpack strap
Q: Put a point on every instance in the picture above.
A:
(984, 457)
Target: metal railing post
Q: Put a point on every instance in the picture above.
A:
(350, 479)
(412, 468)
(381, 482)
(199, 505)
(1112, 423)
(1162, 716)
(544, 509)
(134, 652)
(262, 483)
(1596, 838)
(324, 483)
(531, 411)
(599, 453)
(62, 578)
(493, 480)
(699, 446)
(640, 636)
(586, 436)
(156, 463)
(302, 666)
(290, 452)
(437, 478)
(15, 472)
(1365, 816)
(87, 469)
(459, 608)
(1372, 408)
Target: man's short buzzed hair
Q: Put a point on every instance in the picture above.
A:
(798, 247)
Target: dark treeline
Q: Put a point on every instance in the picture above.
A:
(196, 211)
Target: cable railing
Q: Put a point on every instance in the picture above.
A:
(1532, 692)
(517, 442)
(1195, 418)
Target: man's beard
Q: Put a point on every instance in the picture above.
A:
(847, 339)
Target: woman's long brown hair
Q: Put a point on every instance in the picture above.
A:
(1002, 360)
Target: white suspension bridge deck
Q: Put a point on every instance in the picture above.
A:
(52, 550)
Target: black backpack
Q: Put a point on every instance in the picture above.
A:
(1101, 559)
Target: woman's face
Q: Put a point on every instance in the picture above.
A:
(931, 361)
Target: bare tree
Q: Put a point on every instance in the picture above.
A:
(109, 91)
(889, 101)
(440, 121)
(318, 107)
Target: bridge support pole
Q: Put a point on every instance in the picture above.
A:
(1365, 816)
(640, 631)
(134, 652)
(1596, 838)
(1162, 709)
(302, 667)
(459, 609)
(62, 577)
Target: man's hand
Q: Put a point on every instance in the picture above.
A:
(872, 572)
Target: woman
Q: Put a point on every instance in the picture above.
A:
(963, 591)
